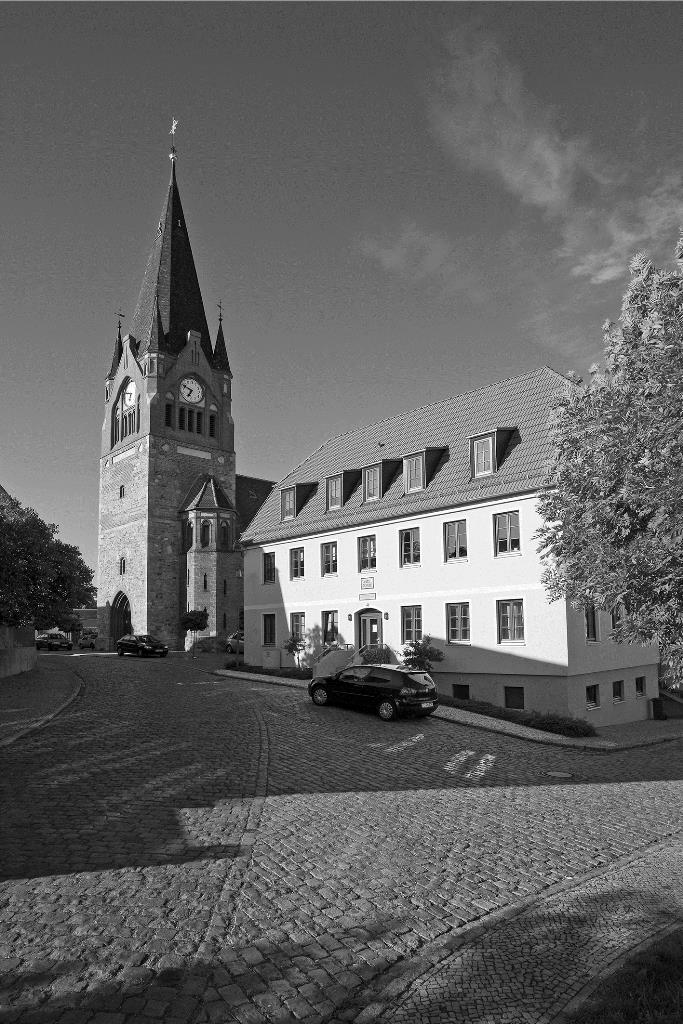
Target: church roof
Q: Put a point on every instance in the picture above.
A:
(170, 297)
(117, 354)
(206, 494)
(519, 408)
(220, 352)
(250, 493)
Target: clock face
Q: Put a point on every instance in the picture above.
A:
(129, 394)
(191, 390)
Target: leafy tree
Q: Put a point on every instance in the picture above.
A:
(294, 644)
(41, 577)
(194, 621)
(419, 654)
(613, 532)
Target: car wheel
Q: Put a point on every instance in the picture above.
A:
(387, 711)
(119, 651)
(320, 696)
(141, 653)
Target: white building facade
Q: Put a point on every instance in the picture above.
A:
(380, 550)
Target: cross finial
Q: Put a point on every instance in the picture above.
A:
(174, 125)
(121, 316)
(220, 312)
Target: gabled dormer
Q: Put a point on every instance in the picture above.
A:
(293, 499)
(488, 450)
(377, 478)
(419, 468)
(340, 487)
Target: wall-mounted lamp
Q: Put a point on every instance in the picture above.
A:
(386, 615)
(350, 617)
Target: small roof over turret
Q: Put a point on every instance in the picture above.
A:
(206, 494)
(220, 352)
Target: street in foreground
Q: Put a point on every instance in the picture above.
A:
(182, 847)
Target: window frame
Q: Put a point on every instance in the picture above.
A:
(267, 555)
(419, 459)
(458, 640)
(499, 610)
(332, 571)
(402, 549)
(300, 629)
(456, 557)
(591, 610)
(367, 568)
(337, 479)
(325, 626)
(497, 516)
(297, 563)
(641, 686)
(488, 440)
(270, 616)
(460, 686)
(617, 691)
(376, 471)
(411, 621)
(510, 694)
(287, 504)
(591, 705)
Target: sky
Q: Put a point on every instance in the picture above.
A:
(393, 202)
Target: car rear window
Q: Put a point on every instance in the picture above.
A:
(421, 677)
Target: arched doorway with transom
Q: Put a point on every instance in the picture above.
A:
(120, 617)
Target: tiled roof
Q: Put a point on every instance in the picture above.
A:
(250, 493)
(523, 402)
(171, 282)
(206, 494)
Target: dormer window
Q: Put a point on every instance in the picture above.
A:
(334, 492)
(414, 472)
(288, 500)
(482, 456)
(371, 481)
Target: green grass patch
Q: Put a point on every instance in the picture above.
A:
(648, 989)
(532, 719)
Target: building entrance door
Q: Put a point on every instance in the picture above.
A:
(120, 617)
(370, 629)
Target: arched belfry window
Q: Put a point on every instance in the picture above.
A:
(225, 535)
(189, 534)
(206, 533)
(206, 583)
(125, 415)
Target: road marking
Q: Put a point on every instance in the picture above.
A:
(482, 767)
(405, 744)
(457, 761)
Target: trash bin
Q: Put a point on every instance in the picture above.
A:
(658, 709)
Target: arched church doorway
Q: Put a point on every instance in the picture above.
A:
(120, 617)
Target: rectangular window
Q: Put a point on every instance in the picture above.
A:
(510, 621)
(410, 546)
(506, 533)
(593, 696)
(269, 630)
(169, 414)
(458, 622)
(367, 553)
(288, 503)
(455, 540)
(269, 567)
(296, 563)
(181, 419)
(414, 471)
(212, 425)
(297, 624)
(617, 690)
(328, 558)
(461, 691)
(330, 627)
(411, 623)
(640, 686)
(483, 456)
(334, 492)
(190, 419)
(514, 697)
(200, 422)
(617, 615)
(591, 617)
(371, 483)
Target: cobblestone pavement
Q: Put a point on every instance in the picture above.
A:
(181, 847)
(30, 697)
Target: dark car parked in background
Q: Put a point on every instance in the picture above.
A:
(389, 690)
(141, 644)
(53, 642)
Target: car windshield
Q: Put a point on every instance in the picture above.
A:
(148, 639)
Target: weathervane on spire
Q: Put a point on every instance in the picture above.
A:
(220, 312)
(121, 316)
(174, 125)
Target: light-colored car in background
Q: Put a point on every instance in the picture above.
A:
(87, 639)
(234, 642)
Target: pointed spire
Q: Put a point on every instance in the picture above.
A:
(170, 284)
(118, 352)
(220, 352)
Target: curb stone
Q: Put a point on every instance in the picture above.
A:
(46, 719)
(476, 721)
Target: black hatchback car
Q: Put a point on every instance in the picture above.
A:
(389, 690)
(141, 644)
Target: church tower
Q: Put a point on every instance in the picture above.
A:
(168, 521)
